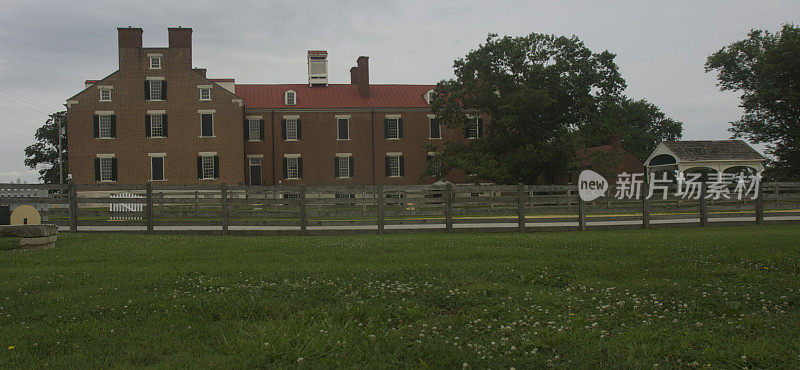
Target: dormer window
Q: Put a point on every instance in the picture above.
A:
(429, 96)
(290, 97)
(155, 61)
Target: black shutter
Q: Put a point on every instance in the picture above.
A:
(164, 125)
(435, 129)
(199, 167)
(246, 130)
(385, 128)
(352, 169)
(163, 90)
(335, 167)
(466, 128)
(113, 125)
(157, 168)
(261, 129)
(299, 167)
(96, 126)
(402, 167)
(388, 172)
(97, 169)
(147, 125)
(146, 90)
(299, 130)
(480, 127)
(400, 128)
(207, 128)
(343, 129)
(283, 132)
(113, 169)
(216, 166)
(285, 168)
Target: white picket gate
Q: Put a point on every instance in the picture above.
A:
(126, 207)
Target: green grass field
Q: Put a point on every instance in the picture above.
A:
(698, 297)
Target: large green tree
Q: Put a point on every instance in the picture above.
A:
(537, 90)
(640, 124)
(765, 68)
(43, 155)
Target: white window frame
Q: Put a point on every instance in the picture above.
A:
(292, 161)
(163, 157)
(208, 166)
(293, 95)
(394, 164)
(429, 97)
(155, 58)
(339, 134)
(153, 121)
(160, 92)
(208, 95)
(293, 121)
(212, 112)
(104, 120)
(430, 133)
(106, 168)
(343, 163)
(105, 89)
(475, 127)
(257, 131)
(396, 120)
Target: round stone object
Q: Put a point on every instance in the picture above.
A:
(25, 215)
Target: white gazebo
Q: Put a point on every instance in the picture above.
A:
(717, 155)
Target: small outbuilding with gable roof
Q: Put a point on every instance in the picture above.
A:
(717, 155)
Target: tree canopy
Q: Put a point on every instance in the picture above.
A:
(537, 92)
(43, 154)
(765, 68)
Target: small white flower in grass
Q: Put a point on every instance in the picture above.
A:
(465, 365)
(299, 360)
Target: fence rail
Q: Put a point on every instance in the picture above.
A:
(324, 209)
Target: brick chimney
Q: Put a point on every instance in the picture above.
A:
(200, 71)
(363, 76)
(354, 76)
(130, 45)
(180, 45)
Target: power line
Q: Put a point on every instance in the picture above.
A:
(19, 114)
(20, 96)
(38, 110)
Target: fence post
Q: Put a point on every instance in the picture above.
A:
(303, 210)
(703, 205)
(224, 199)
(521, 207)
(161, 202)
(777, 194)
(760, 204)
(379, 200)
(448, 208)
(149, 207)
(196, 203)
(581, 214)
(646, 206)
(73, 207)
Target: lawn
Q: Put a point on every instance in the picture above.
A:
(704, 297)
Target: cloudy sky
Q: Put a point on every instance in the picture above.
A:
(50, 47)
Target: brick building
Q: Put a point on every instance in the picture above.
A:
(159, 119)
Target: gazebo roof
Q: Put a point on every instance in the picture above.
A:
(711, 150)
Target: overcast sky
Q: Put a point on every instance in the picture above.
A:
(50, 48)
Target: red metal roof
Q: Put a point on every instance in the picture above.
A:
(335, 96)
(321, 52)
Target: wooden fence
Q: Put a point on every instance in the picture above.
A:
(348, 209)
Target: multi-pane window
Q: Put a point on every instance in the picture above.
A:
(254, 129)
(435, 128)
(393, 166)
(393, 128)
(292, 168)
(255, 161)
(105, 125)
(155, 62)
(290, 97)
(106, 169)
(343, 169)
(155, 89)
(344, 128)
(291, 129)
(105, 94)
(208, 167)
(205, 94)
(156, 125)
(474, 128)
